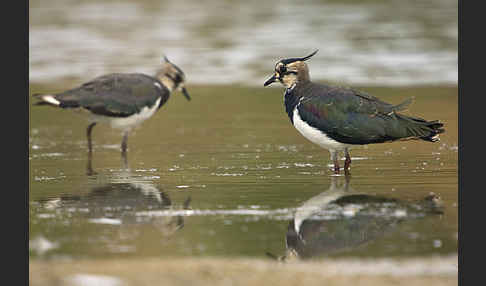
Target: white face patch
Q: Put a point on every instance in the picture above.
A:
(289, 80)
(316, 136)
(168, 83)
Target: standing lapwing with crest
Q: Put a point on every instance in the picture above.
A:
(124, 100)
(338, 118)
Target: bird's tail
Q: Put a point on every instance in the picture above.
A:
(419, 128)
(46, 99)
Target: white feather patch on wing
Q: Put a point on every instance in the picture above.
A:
(50, 99)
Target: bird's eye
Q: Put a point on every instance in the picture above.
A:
(178, 78)
(282, 69)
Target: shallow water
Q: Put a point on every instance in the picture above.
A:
(227, 175)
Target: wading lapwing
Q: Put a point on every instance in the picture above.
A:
(337, 118)
(122, 100)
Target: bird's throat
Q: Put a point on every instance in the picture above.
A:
(291, 100)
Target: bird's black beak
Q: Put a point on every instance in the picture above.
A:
(270, 80)
(184, 92)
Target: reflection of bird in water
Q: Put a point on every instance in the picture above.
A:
(117, 197)
(341, 219)
(118, 203)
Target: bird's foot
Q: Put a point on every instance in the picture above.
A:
(336, 170)
(124, 159)
(89, 169)
(346, 168)
(346, 172)
(347, 164)
(347, 161)
(89, 165)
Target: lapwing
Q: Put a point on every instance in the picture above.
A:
(338, 118)
(124, 100)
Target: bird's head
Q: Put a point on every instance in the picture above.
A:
(290, 71)
(172, 77)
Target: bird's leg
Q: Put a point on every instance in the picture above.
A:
(347, 162)
(334, 158)
(125, 160)
(124, 142)
(124, 149)
(89, 168)
(88, 134)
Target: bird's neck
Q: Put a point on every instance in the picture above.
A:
(291, 100)
(166, 90)
(167, 82)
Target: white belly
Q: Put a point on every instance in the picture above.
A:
(126, 123)
(315, 135)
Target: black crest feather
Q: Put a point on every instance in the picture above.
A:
(291, 60)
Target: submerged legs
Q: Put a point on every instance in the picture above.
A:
(334, 158)
(124, 149)
(347, 162)
(124, 142)
(90, 148)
